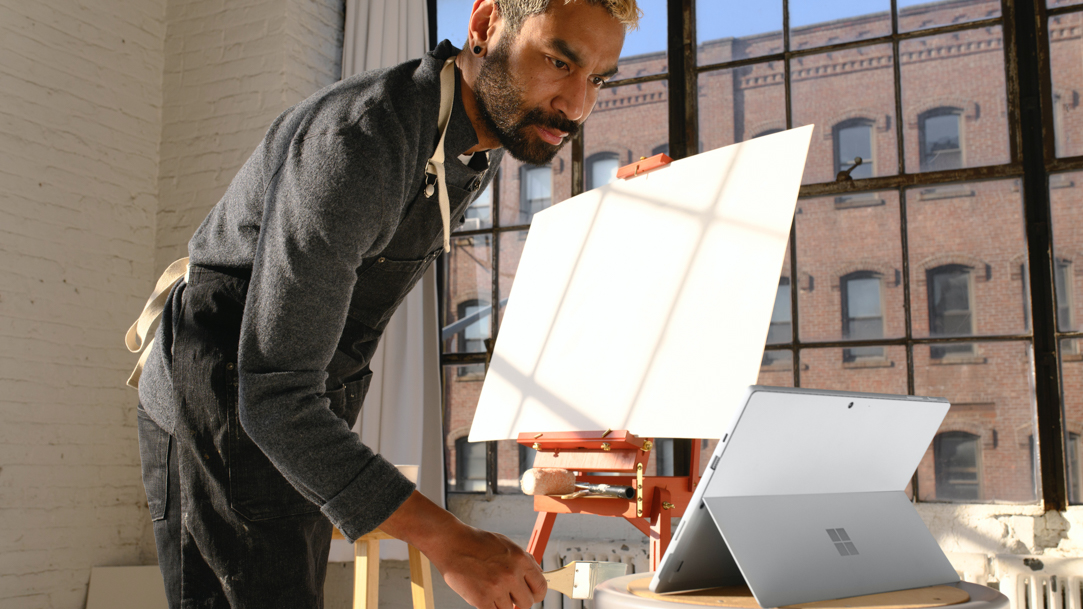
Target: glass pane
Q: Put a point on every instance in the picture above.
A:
(602, 170)
(644, 51)
(465, 461)
(740, 104)
(480, 213)
(817, 23)
(609, 139)
(986, 448)
(954, 100)
(469, 280)
(1071, 375)
(511, 250)
(452, 17)
(776, 369)
(1056, 3)
(882, 370)
(850, 97)
(1066, 207)
(1066, 65)
(729, 30)
(921, 14)
(527, 189)
(968, 262)
(849, 256)
(511, 461)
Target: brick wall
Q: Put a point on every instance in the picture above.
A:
(121, 123)
(79, 128)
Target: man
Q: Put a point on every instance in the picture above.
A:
(261, 360)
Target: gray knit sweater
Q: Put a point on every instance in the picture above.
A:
(329, 220)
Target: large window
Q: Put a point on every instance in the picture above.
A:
(945, 257)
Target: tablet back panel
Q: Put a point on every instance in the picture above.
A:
(785, 444)
(798, 442)
(805, 548)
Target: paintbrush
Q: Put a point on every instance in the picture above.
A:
(578, 578)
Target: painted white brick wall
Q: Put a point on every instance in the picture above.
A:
(121, 123)
(230, 69)
(80, 99)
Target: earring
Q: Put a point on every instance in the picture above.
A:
(477, 49)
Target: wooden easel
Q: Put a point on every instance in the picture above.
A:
(657, 499)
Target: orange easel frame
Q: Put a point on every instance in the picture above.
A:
(614, 452)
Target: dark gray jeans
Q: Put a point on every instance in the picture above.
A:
(230, 530)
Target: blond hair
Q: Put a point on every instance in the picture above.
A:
(515, 12)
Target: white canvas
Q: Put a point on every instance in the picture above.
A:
(644, 304)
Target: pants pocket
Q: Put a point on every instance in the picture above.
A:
(154, 457)
(257, 490)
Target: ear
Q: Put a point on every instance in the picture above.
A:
(485, 22)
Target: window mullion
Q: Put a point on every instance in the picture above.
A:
(683, 84)
(1021, 19)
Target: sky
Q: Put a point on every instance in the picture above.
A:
(714, 18)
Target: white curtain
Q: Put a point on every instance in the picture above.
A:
(402, 417)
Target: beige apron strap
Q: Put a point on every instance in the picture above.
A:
(436, 163)
(151, 311)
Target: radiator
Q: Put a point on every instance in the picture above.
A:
(1041, 582)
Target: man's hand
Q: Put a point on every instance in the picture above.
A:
(488, 570)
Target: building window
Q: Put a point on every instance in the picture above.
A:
(853, 138)
(950, 308)
(475, 313)
(480, 213)
(862, 314)
(469, 465)
(663, 457)
(957, 461)
(661, 149)
(537, 191)
(780, 330)
(602, 169)
(769, 132)
(1062, 281)
(939, 141)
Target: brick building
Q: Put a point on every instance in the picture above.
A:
(964, 243)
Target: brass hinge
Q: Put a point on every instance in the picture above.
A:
(639, 490)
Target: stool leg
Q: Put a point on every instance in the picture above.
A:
(420, 580)
(366, 574)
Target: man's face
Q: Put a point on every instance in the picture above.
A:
(536, 87)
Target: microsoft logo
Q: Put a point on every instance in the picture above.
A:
(842, 542)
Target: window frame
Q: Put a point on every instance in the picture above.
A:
(939, 458)
(851, 354)
(935, 113)
(836, 137)
(1032, 158)
(526, 207)
(588, 165)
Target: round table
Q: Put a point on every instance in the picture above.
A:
(615, 594)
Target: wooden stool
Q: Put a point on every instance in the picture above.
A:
(366, 572)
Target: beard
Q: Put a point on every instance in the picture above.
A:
(501, 106)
